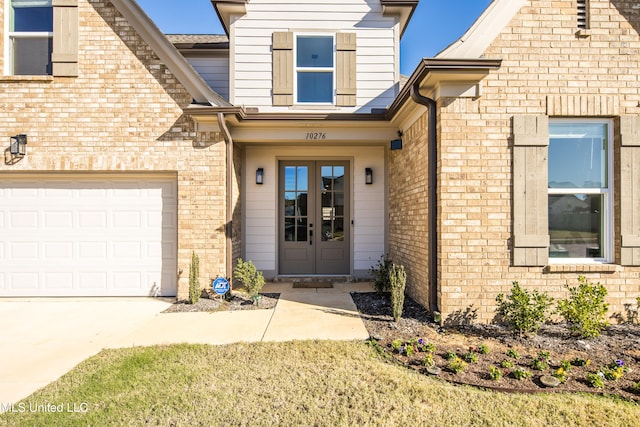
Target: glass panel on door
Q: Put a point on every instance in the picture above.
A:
(332, 200)
(296, 186)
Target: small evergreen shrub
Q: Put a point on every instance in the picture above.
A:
(398, 281)
(251, 278)
(495, 374)
(585, 309)
(521, 374)
(380, 274)
(470, 357)
(194, 279)
(524, 311)
(596, 379)
(541, 362)
(506, 364)
(513, 354)
(483, 349)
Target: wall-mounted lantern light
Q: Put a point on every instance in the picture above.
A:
(18, 145)
(260, 176)
(368, 176)
(396, 144)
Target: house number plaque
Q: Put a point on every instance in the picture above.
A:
(316, 135)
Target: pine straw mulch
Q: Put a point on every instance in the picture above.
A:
(617, 342)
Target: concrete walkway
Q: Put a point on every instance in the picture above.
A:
(300, 314)
(44, 338)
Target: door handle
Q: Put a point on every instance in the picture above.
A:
(310, 237)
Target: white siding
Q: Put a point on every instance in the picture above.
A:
(214, 71)
(261, 203)
(376, 54)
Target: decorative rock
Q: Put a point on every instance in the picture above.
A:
(584, 345)
(433, 370)
(549, 381)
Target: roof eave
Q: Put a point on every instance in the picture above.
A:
(432, 72)
(402, 8)
(226, 8)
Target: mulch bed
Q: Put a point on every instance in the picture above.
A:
(238, 301)
(617, 342)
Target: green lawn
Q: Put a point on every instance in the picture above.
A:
(297, 383)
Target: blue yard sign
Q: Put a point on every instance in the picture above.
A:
(220, 286)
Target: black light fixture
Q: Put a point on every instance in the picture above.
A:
(18, 145)
(368, 176)
(396, 144)
(260, 176)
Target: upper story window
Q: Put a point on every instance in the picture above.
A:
(30, 37)
(314, 69)
(580, 190)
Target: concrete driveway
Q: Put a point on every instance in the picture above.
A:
(42, 339)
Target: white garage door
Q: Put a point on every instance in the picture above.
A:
(86, 235)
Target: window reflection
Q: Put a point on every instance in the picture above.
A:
(296, 183)
(332, 203)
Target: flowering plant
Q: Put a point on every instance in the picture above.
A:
(596, 379)
(521, 374)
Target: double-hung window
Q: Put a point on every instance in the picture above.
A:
(315, 69)
(580, 191)
(30, 37)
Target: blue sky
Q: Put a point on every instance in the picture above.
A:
(435, 23)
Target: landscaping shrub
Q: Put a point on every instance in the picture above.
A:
(585, 309)
(521, 374)
(456, 365)
(194, 279)
(495, 374)
(398, 281)
(524, 311)
(380, 274)
(251, 278)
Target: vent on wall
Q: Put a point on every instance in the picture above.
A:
(583, 14)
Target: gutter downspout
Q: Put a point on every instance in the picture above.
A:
(432, 176)
(229, 202)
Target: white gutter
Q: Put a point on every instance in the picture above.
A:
(168, 54)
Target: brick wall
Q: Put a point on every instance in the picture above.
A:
(546, 69)
(122, 113)
(408, 209)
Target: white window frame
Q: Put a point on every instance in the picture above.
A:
(607, 193)
(297, 69)
(12, 35)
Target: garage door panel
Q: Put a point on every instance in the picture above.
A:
(83, 237)
(92, 219)
(53, 250)
(127, 280)
(23, 281)
(24, 219)
(87, 250)
(126, 219)
(58, 219)
(58, 280)
(21, 251)
(126, 250)
(92, 280)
